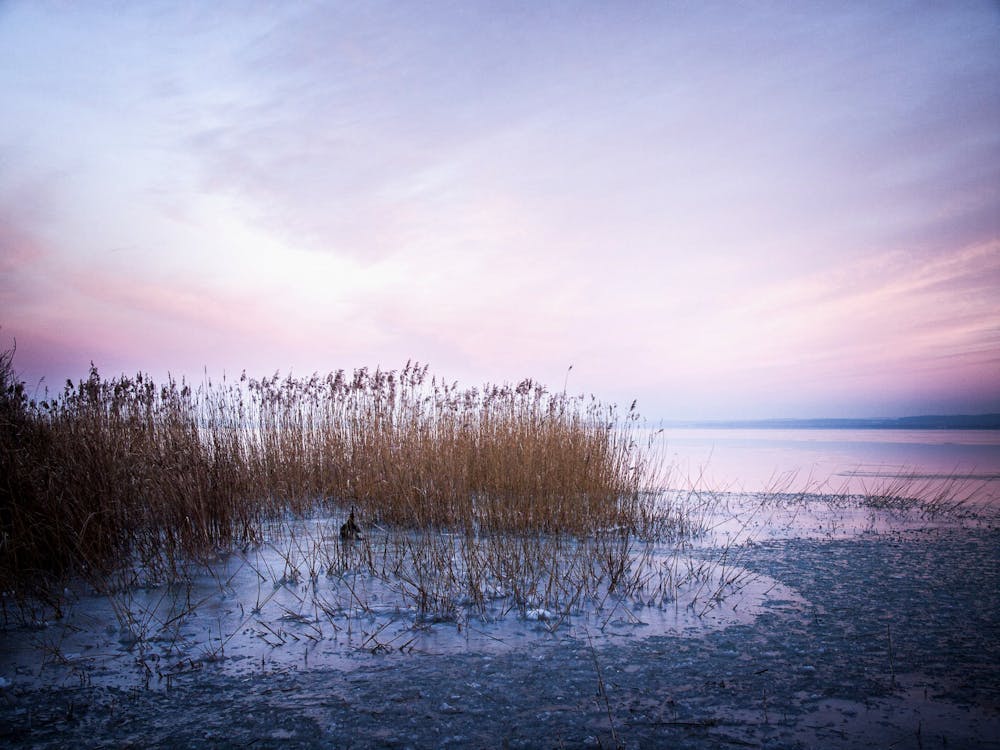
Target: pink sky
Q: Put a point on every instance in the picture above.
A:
(725, 211)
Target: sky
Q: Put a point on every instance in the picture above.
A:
(724, 210)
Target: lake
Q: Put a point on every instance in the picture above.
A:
(830, 460)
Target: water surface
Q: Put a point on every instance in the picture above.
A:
(831, 460)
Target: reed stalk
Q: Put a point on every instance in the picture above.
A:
(126, 471)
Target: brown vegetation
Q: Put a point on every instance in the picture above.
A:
(119, 471)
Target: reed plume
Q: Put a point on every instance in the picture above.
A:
(125, 470)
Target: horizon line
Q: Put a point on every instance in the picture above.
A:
(981, 421)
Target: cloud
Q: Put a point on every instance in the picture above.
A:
(713, 208)
(887, 316)
(19, 250)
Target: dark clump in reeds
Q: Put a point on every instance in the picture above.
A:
(122, 471)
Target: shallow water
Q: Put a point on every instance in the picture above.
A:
(822, 461)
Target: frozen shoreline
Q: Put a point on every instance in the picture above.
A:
(893, 637)
(304, 599)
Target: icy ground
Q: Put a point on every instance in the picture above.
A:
(837, 626)
(304, 600)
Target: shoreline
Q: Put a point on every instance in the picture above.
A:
(896, 639)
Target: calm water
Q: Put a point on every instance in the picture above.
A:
(831, 460)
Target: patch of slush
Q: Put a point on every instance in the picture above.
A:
(255, 612)
(728, 519)
(913, 717)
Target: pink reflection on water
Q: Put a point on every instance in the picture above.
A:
(843, 461)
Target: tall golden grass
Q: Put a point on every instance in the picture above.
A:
(122, 470)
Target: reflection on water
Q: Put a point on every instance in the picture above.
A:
(853, 461)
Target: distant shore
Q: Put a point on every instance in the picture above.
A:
(926, 422)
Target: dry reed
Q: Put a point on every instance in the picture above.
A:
(124, 471)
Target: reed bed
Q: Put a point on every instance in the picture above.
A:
(930, 495)
(120, 472)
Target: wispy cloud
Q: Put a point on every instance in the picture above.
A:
(721, 210)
